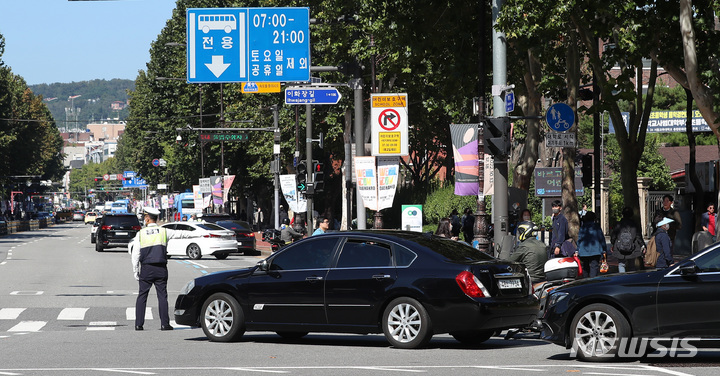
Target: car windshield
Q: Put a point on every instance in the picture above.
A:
(211, 226)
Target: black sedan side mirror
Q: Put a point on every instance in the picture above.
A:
(263, 265)
(688, 269)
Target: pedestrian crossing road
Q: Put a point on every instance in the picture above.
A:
(27, 320)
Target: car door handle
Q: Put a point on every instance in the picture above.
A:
(381, 276)
(314, 278)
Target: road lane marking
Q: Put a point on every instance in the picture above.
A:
(123, 371)
(72, 314)
(10, 313)
(102, 325)
(27, 292)
(130, 313)
(254, 370)
(28, 326)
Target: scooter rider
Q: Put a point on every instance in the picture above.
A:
(287, 234)
(531, 252)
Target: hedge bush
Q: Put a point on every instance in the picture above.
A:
(441, 202)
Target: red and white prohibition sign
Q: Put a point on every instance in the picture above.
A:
(389, 119)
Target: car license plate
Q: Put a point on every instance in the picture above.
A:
(509, 283)
(121, 233)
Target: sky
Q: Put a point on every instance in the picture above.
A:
(48, 41)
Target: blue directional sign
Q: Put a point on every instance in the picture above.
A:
(312, 95)
(560, 117)
(248, 45)
(509, 101)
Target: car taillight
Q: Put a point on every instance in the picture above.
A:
(212, 236)
(137, 228)
(106, 227)
(471, 286)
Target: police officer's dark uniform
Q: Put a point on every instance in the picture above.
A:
(149, 256)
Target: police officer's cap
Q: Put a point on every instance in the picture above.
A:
(151, 211)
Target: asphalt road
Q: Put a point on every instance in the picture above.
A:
(68, 310)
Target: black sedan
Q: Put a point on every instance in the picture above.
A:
(407, 285)
(243, 234)
(606, 317)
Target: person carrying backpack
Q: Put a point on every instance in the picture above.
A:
(627, 243)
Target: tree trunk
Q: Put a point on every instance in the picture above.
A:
(570, 205)
(701, 95)
(531, 106)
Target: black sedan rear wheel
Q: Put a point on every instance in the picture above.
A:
(597, 331)
(406, 324)
(473, 337)
(222, 318)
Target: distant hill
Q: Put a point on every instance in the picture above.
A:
(93, 102)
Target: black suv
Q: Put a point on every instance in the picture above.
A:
(116, 230)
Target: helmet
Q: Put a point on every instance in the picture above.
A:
(525, 230)
(286, 221)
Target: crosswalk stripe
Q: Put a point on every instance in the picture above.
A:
(102, 325)
(130, 313)
(28, 326)
(10, 313)
(72, 314)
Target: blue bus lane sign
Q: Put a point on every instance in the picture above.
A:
(248, 45)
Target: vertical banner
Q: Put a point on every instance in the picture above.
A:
(216, 183)
(465, 151)
(227, 183)
(412, 218)
(296, 202)
(164, 202)
(387, 173)
(198, 197)
(489, 175)
(367, 181)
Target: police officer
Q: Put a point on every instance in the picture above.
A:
(149, 259)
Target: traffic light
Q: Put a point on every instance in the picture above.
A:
(586, 170)
(496, 137)
(318, 176)
(301, 177)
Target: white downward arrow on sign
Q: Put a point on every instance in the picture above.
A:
(218, 66)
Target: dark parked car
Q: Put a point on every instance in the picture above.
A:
(599, 316)
(243, 234)
(407, 285)
(116, 230)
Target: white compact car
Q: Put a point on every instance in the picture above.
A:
(195, 239)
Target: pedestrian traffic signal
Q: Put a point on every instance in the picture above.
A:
(496, 137)
(301, 177)
(318, 176)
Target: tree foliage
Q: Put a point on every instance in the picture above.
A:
(30, 144)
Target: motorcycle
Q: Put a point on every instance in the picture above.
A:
(558, 271)
(272, 236)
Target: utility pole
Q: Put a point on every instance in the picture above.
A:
(356, 85)
(500, 197)
(276, 168)
(308, 162)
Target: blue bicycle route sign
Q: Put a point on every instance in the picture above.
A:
(560, 117)
(248, 45)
